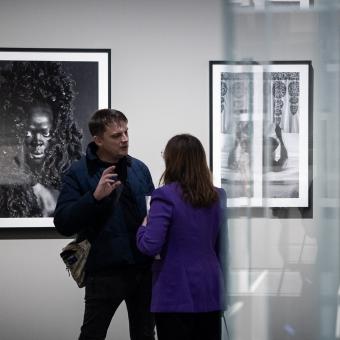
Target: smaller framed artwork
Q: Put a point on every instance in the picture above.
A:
(296, 3)
(259, 132)
(260, 4)
(46, 99)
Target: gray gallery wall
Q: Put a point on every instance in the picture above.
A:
(160, 79)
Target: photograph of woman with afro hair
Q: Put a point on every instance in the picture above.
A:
(39, 135)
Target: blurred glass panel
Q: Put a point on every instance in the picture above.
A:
(284, 258)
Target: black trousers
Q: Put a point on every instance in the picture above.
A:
(188, 326)
(103, 295)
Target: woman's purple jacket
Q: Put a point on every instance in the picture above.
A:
(189, 275)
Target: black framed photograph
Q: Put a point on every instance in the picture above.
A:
(46, 99)
(259, 132)
(289, 3)
(261, 4)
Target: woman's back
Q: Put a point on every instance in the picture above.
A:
(188, 277)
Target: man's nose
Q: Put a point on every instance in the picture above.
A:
(125, 137)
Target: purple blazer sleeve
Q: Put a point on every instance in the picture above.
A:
(152, 237)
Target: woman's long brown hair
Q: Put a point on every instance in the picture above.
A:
(185, 163)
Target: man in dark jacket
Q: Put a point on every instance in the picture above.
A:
(102, 198)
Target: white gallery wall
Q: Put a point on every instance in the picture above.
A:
(160, 78)
(160, 52)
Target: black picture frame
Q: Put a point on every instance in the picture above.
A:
(89, 71)
(249, 107)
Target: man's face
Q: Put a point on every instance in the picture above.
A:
(38, 134)
(113, 144)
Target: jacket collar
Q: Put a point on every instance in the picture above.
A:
(91, 154)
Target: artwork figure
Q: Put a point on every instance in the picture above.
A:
(239, 156)
(270, 146)
(39, 136)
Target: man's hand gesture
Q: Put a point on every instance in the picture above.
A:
(107, 183)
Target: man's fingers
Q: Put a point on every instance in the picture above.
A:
(113, 178)
(116, 184)
(109, 170)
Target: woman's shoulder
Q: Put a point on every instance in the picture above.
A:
(221, 192)
(222, 195)
(171, 189)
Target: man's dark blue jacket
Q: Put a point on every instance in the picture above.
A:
(104, 223)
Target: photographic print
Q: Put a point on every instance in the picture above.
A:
(259, 132)
(290, 3)
(46, 99)
(261, 4)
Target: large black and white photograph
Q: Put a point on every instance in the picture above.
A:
(259, 132)
(46, 98)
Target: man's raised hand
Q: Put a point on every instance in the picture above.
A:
(107, 183)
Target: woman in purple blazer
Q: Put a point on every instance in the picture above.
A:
(183, 231)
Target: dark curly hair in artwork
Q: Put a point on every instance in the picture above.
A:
(18, 201)
(24, 84)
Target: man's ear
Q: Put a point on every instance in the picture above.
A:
(97, 140)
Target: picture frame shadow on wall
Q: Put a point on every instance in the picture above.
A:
(46, 99)
(261, 133)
